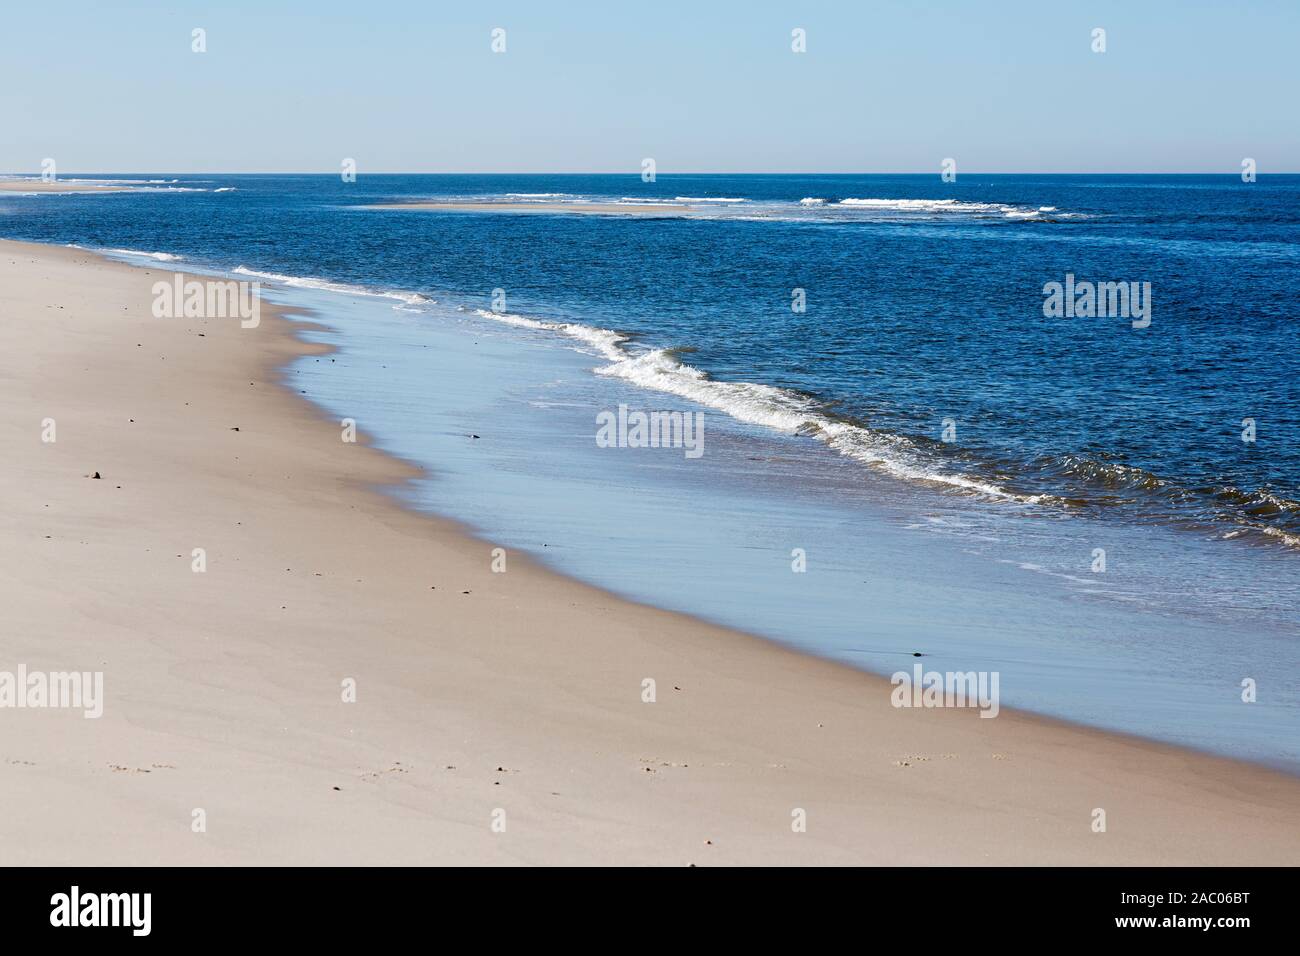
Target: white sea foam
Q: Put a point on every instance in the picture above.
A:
(538, 195)
(756, 404)
(326, 285)
(707, 199)
(952, 207)
(1288, 539)
(410, 301)
(303, 282)
(160, 256)
(793, 414)
(922, 204)
(766, 405)
(226, 189)
(811, 201)
(605, 341)
(925, 205)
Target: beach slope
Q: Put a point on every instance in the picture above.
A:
(498, 717)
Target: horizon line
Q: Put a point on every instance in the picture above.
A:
(634, 174)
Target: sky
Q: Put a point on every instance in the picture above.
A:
(884, 86)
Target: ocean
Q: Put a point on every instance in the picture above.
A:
(1040, 425)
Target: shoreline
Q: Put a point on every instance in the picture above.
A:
(557, 703)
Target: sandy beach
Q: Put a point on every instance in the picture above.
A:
(480, 697)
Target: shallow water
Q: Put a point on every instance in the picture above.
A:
(892, 570)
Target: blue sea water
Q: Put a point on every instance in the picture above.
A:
(825, 428)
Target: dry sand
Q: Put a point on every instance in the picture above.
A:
(475, 691)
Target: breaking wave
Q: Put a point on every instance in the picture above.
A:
(780, 409)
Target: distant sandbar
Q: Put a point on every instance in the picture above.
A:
(577, 208)
(41, 186)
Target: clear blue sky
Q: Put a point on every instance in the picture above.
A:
(886, 86)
